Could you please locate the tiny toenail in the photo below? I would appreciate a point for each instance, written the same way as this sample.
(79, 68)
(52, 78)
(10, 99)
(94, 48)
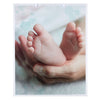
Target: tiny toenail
(38, 27)
(80, 44)
(31, 49)
(79, 35)
(29, 43)
(30, 33)
(30, 38)
(80, 39)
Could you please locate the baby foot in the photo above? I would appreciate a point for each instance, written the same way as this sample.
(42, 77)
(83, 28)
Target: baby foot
(43, 48)
(72, 41)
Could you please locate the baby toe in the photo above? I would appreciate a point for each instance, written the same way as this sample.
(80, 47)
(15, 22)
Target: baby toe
(31, 49)
(78, 31)
(80, 44)
(70, 27)
(80, 39)
(30, 33)
(39, 29)
(29, 38)
(29, 43)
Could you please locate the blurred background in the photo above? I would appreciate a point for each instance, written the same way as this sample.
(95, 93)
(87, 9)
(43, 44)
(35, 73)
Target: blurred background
(54, 19)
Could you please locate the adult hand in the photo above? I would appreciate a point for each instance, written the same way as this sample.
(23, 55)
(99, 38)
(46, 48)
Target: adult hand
(70, 71)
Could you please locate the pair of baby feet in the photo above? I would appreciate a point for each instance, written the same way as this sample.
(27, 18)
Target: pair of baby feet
(46, 51)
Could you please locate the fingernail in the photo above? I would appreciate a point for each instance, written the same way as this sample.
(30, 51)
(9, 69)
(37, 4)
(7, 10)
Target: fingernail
(29, 43)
